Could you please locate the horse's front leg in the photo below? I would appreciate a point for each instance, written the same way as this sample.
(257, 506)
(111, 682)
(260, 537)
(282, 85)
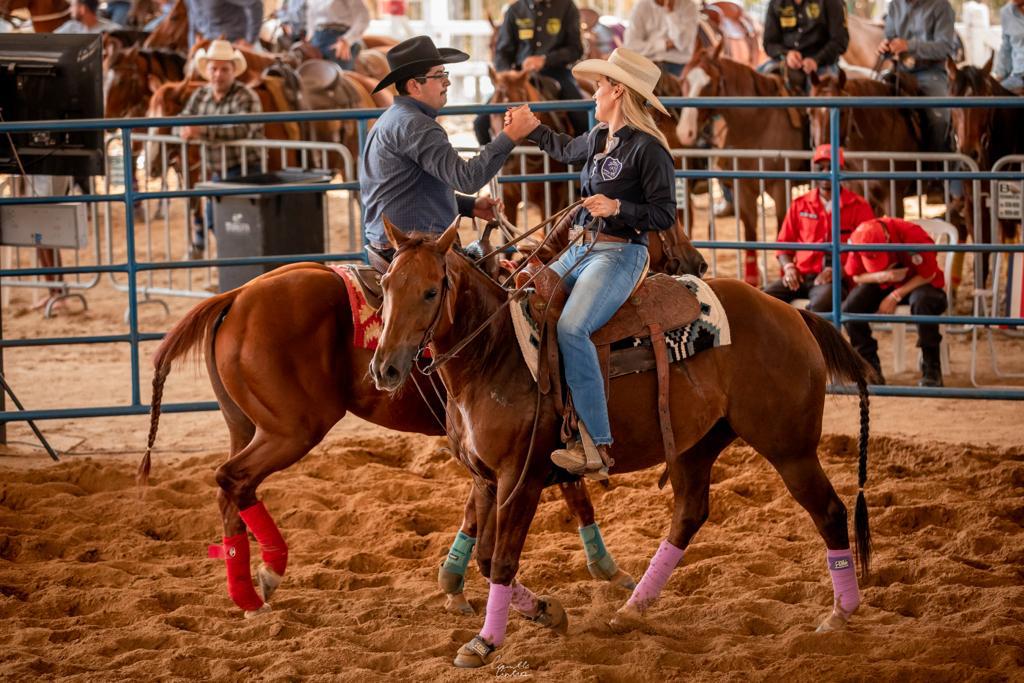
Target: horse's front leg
(600, 562)
(512, 522)
(451, 576)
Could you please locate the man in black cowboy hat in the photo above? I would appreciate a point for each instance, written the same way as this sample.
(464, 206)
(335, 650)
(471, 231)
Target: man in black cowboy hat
(409, 170)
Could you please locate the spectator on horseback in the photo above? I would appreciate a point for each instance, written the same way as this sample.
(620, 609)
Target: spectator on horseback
(885, 279)
(664, 31)
(919, 35)
(335, 27)
(804, 36)
(85, 19)
(228, 19)
(409, 170)
(221, 64)
(542, 37)
(808, 274)
(628, 185)
(599, 40)
(1009, 68)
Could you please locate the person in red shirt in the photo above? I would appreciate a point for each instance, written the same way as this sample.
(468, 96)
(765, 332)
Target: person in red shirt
(885, 279)
(808, 274)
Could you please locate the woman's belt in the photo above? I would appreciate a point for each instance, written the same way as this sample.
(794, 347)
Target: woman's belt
(592, 236)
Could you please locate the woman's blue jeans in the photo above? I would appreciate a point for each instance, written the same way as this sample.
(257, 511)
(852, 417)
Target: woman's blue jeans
(598, 285)
(324, 40)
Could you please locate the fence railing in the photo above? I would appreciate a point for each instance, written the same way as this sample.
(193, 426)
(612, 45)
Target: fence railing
(132, 266)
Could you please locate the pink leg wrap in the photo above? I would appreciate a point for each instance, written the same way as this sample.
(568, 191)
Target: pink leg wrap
(273, 549)
(240, 588)
(658, 571)
(844, 580)
(498, 600)
(523, 600)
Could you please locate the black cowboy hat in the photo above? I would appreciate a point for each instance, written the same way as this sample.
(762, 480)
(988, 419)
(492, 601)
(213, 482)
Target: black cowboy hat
(414, 57)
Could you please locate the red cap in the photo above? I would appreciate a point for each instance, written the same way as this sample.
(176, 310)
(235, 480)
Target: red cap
(824, 153)
(872, 232)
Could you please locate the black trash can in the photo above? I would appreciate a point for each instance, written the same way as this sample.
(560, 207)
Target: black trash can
(266, 224)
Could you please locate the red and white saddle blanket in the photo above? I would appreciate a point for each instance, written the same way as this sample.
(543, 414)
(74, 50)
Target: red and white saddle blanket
(366, 320)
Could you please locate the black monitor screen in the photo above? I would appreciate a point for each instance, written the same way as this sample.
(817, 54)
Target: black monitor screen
(42, 77)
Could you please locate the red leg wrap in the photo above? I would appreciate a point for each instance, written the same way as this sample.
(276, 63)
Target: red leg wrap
(273, 549)
(240, 588)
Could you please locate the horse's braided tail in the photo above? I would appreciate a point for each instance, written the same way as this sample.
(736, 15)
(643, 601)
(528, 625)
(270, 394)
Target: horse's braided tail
(183, 338)
(845, 364)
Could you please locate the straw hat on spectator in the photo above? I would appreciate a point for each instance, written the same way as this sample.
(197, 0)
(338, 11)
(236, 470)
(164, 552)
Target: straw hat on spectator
(220, 50)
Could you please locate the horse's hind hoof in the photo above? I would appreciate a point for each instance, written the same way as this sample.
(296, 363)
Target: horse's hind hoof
(474, 654)
(623, 580)
(253, 613)
(269, 580)
(627, 618)
(550, 614)
(458, 604)
(836, 621)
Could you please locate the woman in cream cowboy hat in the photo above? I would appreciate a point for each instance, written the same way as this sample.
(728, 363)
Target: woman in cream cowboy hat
(628, 186)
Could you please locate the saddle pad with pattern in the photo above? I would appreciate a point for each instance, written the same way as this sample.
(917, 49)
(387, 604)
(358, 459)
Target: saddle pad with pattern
(366, 321)
(711, 329)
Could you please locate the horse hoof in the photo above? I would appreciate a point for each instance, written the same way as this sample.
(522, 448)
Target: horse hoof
(269, 580)
(623, 580)
(474, 654)
(550, 614)
(450, 582)
(626, 619)
(253, 613)
(835, 622)
(458, 604)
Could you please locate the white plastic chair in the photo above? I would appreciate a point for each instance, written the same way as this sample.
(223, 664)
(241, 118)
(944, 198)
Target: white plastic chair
(941, 232)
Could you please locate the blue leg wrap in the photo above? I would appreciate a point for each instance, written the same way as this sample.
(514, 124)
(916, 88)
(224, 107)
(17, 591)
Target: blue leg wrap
(599, 561)
(453, 571)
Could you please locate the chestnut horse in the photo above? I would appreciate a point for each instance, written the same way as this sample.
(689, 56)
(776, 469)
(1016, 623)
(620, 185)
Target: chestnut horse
(434, 296)
(280, 355)
(709, 75)
(46, 15)
(132, 75)
(872, 130)
(984, 135)
(172, 31)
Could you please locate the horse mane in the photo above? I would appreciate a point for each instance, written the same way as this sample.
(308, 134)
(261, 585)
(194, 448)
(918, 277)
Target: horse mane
(980, 82)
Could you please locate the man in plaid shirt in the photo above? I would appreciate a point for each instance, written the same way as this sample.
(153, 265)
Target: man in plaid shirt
(221, 64)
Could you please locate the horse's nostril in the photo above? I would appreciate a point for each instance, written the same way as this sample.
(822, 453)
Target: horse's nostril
(703, 268)
(391, 373)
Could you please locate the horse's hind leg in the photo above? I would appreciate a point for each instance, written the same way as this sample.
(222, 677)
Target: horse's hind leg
(600, 562)
(801, 472)
(451, 576)
(690, 474)
(238, 479)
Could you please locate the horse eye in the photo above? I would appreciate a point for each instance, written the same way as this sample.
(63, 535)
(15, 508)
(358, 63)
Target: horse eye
(431, 293)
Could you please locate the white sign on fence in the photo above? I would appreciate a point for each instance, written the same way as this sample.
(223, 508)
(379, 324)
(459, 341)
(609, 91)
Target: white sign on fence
(1008, 199)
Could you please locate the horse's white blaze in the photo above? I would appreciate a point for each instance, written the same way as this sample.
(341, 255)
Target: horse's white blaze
(686, 130)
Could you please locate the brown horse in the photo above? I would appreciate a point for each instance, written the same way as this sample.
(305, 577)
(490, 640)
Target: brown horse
(434, 296)
(132, 75)
(984, 135)
(172, 32)
(872, 130)
(284, 367)
(46, 15)
(709, 75)
(520, 86)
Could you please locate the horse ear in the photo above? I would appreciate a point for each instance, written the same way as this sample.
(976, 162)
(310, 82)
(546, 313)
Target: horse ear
(951, 70)
(447, 239)
(154, 82)
(718, 50)
(492, 73)
(395, 236)
(987, 69)
(815, 78)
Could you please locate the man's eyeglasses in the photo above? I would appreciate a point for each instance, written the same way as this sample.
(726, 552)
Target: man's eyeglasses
(439, 76)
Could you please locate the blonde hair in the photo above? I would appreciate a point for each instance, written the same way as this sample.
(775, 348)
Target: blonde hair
(636, 115)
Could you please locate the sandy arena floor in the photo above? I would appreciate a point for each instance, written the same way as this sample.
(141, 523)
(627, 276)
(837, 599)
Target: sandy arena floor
(99, 581)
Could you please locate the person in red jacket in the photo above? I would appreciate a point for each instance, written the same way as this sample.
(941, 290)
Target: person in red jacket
(808, 274)
(885, 279)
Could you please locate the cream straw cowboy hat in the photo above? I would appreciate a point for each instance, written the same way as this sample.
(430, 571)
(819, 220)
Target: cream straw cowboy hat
(220, 50)
(629, 68)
